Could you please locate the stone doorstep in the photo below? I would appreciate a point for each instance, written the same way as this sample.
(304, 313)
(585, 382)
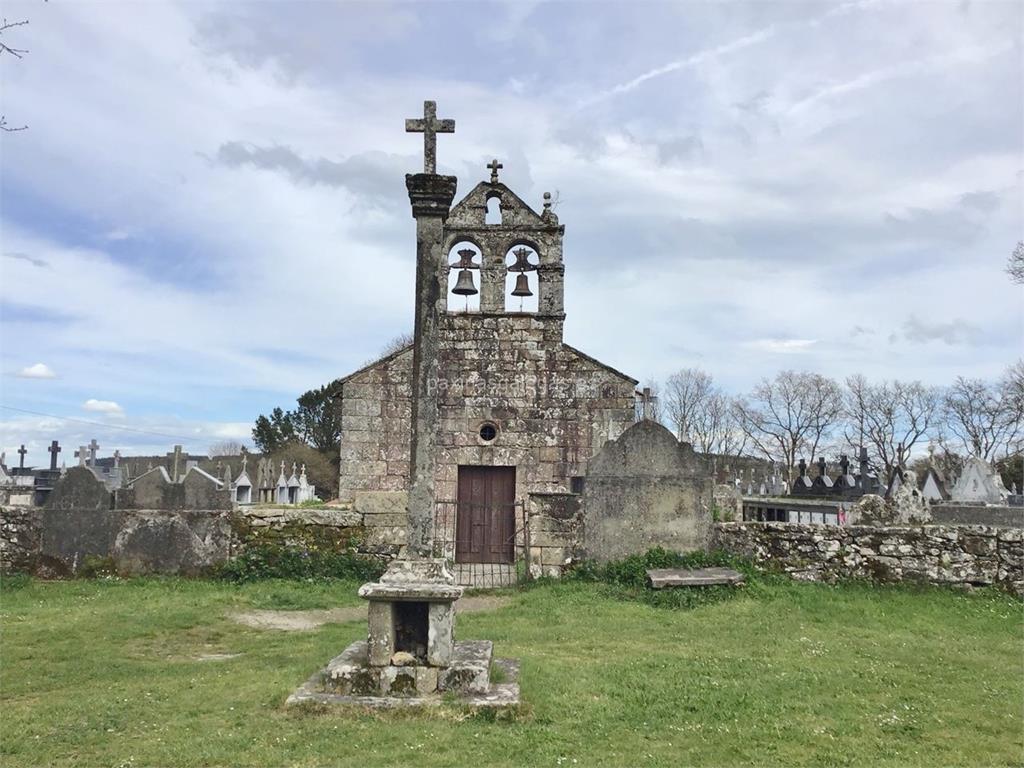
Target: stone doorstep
(493, 696)
(660, 578)
(350, 673)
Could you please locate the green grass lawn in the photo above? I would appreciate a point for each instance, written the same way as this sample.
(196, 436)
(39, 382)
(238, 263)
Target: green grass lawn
(108, 673)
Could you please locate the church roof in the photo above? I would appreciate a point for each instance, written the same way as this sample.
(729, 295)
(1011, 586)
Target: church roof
(336, 392)
(599, 364)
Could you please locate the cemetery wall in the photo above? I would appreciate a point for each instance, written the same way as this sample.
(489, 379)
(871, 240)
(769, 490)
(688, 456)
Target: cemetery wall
(937, 554)
(54, 542)
(949, 513)
(19, 538)
(555, 523)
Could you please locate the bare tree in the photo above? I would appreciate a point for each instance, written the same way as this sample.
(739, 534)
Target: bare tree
(686, 392)
(16, 53)
(715, 428)
(985, 417)
(1015, 264)
(889, 418)
(226, 448)
(790, 415)
(401, 341)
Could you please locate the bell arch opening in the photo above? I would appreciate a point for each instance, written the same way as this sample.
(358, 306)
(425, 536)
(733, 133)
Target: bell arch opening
(493, 215)
(464, 275)
(522, 285)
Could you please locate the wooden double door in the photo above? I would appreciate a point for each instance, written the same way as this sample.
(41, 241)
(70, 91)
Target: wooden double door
(485, 521)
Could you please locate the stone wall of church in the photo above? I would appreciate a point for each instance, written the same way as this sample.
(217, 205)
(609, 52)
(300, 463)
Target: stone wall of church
(376, 419)
(552, 406)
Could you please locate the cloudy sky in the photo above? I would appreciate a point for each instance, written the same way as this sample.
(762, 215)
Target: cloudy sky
(207, 213)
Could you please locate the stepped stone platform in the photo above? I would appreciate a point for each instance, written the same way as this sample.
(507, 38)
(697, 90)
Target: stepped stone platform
(659, 578)
(350, 680)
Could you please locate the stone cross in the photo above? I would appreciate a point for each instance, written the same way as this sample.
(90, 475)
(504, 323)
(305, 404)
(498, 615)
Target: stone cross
(431, 197)
(117, 459)
(429, 126)
(647, 400)
(245, 459)
(495, 166)
(81, 455)
(54, 449)
(21, 456)
(93, 447)
(176, 459)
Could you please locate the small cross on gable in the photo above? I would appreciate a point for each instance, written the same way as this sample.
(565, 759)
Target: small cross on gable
(495, 166)
(429, 126)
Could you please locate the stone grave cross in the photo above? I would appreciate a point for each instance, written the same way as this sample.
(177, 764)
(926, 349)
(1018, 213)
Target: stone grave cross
(93, 447)
(495, 166)
(648, 400)
(54, 449)
(175, 462)
(21, 456)
(81, 455)
(117, 459)
(429, 126)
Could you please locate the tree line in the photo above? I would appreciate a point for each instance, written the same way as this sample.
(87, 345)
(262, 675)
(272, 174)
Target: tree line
(799, 414)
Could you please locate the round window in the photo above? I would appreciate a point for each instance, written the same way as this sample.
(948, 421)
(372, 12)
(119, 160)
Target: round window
(488, 431)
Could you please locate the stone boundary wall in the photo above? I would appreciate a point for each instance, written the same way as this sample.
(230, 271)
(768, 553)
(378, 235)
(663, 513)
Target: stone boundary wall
(54, 543)
(555, 524)
(958, 555)
(19, 538)
(949, 513)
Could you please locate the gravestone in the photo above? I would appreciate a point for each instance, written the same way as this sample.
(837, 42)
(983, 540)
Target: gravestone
(645, 489)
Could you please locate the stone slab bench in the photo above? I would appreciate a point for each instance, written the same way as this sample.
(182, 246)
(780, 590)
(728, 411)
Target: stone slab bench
(659, 578)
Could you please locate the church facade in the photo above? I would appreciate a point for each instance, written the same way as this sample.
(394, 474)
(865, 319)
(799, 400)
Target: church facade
(520, 411)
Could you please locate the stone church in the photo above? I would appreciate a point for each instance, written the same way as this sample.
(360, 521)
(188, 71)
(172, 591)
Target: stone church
(520, 410)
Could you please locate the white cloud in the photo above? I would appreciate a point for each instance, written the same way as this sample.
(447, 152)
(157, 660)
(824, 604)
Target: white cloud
(782, 346)
(37, 371)
(108, 407)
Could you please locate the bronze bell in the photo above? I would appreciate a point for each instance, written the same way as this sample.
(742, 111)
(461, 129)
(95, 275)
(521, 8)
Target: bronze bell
(464, 285)
(522, 286)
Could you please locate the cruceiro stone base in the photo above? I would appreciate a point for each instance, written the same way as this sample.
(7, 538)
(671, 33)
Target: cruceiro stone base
(350, 680)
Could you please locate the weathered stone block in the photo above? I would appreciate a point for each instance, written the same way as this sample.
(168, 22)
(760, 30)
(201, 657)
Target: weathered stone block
(440, 634)
(381, 637)
(398, 681)
(470, 670)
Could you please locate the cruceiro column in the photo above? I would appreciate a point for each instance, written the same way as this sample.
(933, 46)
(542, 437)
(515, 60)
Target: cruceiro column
(431, 197)
(410, 651)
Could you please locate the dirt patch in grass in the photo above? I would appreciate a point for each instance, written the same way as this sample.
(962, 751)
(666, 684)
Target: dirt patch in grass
(304, 621)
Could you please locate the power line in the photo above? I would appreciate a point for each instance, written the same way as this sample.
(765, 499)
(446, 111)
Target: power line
(100, 424)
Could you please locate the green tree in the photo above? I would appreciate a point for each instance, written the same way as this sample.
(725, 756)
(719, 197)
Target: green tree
(270, 434)
(316, 422)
